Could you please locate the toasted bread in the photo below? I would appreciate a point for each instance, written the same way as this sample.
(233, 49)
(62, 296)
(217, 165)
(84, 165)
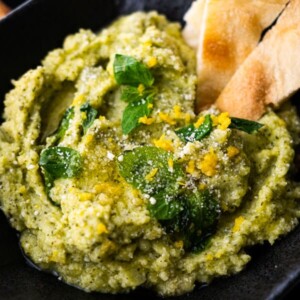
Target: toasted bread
(194, 19)
(229, 32)
(271, 74)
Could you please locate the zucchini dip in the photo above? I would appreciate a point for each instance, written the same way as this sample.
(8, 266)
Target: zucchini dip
(113, 182)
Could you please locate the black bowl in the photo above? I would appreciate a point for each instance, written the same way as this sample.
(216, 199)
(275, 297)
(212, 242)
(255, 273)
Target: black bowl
(26, 36)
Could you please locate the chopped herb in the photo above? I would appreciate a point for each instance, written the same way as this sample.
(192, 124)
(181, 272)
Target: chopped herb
(59, 162)
(64, 124)
(91, 115)
(129, 71)
(191, 133)
(134, 111)
(245, 125)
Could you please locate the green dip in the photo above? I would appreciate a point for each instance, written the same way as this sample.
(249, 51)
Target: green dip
(99, 227)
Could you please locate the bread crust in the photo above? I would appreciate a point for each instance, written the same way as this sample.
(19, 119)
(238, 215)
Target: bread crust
(271, 74)
(193, 18)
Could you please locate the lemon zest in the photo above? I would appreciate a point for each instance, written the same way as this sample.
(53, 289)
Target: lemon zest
(145, 120)
(164, 143)
(101, 228)
(166, 118)
(209, 163)
(152, 62)
(237, 223)
(199, 122)
(151, 175)
(232, 151)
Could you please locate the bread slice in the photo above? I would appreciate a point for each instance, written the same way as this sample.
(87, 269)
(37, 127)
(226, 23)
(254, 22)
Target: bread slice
(194, 20)
(271, 74)
(229, 31)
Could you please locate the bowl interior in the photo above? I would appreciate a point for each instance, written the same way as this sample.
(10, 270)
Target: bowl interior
(25, 38)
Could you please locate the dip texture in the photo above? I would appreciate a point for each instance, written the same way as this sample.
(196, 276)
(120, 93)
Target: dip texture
(96, 227)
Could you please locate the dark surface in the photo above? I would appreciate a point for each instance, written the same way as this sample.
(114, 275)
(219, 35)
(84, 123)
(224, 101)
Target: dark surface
(25, 37)
(13, 3)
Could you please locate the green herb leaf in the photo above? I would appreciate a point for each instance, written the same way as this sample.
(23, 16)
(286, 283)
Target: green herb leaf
(204, 209)
(187, 214)
(163, 186)
(91, 115)
(48, 181)
(132, 94)
(60, 162)
(165, 207)
(64, 124)
(139, 162)
(197, 219)
(245, 125)
(191, 133)
(133, 112)
(129, 71)
(204, 213)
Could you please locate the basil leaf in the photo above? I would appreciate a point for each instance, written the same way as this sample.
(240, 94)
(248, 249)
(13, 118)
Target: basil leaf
(139, 162)
(191, 216)
(91, 115)
(132, 94)
(129, 71)
(245, 125)
(197, 220)
(134, 111)
(191, 133)
(165, 208)
(60, 162)
(64, 124)
(204, 209)
(163, 186)
(48, 181)
(204, 213)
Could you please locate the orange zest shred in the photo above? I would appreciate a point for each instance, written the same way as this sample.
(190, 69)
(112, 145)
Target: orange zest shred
(170, 163)
(222, 120)
(232, 151)
(209, 163)
(145, 120)
(199, 122)
(151, 175)
(237, 223)
(152, 61)
(101, 228)
(141, 88)
(166, 118)
(190, 168)
(164, 143)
